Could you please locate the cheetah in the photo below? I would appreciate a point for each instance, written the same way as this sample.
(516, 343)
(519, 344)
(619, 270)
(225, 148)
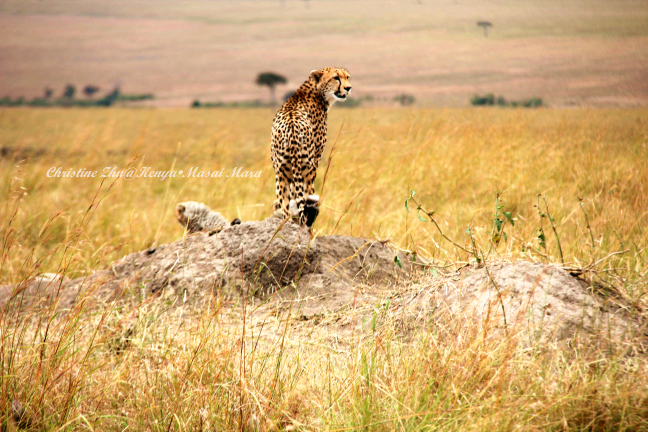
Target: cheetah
(195, 217)
(298, 140)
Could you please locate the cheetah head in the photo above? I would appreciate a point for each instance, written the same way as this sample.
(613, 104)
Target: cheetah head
(180, 214)
(333, 83)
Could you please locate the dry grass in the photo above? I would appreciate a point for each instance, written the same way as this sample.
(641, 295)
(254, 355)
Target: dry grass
(193, 369)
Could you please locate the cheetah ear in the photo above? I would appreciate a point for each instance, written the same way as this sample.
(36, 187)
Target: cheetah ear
(180, 209)
(316, 75)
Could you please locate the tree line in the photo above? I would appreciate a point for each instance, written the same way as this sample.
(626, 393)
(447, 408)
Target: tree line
(489, 100)
(68, 98)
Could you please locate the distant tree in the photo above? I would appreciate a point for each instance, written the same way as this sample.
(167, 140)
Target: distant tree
(69, 91)
(90, 90)
(195, 104)
(501, 101)
(485, 25)
(271, 80)
(48, 92)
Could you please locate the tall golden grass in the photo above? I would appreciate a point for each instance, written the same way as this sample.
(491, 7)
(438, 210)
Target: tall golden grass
(456, 161)
(195, 371)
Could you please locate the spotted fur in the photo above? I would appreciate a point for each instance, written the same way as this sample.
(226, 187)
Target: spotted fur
(299, 136)
(196, 217)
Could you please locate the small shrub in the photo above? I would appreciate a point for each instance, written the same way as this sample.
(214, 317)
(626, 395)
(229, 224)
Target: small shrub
(488, 99)
(534, 102)
(405, 99)
(109, 99)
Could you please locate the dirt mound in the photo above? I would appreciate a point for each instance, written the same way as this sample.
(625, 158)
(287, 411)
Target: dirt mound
(543, 301)
(336, 284)
(261, 257)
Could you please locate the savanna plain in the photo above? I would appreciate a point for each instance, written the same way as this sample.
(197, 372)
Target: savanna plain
(568, 186)
(577, 53)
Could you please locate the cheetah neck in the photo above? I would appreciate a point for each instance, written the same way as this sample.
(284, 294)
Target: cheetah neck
(310, 92)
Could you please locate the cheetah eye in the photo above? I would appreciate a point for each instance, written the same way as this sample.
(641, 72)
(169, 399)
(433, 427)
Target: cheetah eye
(337, 79)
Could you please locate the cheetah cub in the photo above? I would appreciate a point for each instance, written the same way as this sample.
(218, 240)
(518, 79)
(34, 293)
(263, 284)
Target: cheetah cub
(298, 140)
(197, 217)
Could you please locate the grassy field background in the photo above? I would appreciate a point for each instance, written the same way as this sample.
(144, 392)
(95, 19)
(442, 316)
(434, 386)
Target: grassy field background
(189, 370)
(455, 160)
(582, 52)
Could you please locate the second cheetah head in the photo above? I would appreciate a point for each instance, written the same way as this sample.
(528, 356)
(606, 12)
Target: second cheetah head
(333, 83)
